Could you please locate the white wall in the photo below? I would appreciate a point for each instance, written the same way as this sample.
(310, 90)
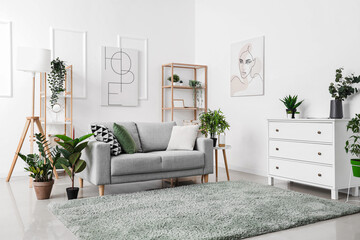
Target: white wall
(305, 41)
(168, 24)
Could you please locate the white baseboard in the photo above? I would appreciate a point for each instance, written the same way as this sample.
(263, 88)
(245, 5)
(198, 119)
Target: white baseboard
(235, 167)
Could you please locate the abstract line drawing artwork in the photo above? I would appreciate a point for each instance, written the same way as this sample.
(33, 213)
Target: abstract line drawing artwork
(247, 68)
(119, 77)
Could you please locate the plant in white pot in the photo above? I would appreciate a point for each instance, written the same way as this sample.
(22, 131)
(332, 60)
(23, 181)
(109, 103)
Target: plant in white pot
(71, 161)
(340, 90)
(41, 168)
(291, 105)
(353, 144)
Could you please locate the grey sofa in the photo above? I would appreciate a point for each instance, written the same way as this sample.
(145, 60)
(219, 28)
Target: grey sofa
(151, 162)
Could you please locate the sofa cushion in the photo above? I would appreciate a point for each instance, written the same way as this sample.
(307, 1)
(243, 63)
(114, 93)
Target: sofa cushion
(183, 137)
(130, 127)
(181, 160)
(126, 164)
(154, 136)
(125, 139)
(103, 134)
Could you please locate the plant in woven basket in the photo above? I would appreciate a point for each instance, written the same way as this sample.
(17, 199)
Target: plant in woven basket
(56, 79)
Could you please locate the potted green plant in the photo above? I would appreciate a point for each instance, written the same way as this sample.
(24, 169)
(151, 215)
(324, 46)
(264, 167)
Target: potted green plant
(340, 90)
(353, 144)
(176, 79)
(40, 167)
(70, 160)
(197, 92)
(212, 123)
(291, 104)
(56, 79)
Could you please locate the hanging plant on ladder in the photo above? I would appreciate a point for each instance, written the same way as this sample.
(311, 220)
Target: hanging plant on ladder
(56, 79)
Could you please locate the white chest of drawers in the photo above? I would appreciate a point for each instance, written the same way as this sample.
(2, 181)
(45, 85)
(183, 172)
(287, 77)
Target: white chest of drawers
(310, 151)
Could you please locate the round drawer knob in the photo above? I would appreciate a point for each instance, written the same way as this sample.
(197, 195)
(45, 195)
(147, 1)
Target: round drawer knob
(319, 132)
(277, 130)
(277, 167)
(277, 149)
(319, 174)
(319, 153)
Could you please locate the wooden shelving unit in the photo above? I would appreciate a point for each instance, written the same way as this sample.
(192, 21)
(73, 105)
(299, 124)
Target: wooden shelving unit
(171, 87)
(66, 97)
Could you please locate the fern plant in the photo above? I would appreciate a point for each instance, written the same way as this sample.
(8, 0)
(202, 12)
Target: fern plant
(213, 122)
(291, 103)
(56, 79)
(40, 167)
(353, 144)
(71, 153)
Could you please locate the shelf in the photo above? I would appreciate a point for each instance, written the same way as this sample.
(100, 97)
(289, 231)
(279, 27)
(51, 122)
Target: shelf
(184, 108)
(181, 87)
(183, 65)
(56, 123)
(60, 96)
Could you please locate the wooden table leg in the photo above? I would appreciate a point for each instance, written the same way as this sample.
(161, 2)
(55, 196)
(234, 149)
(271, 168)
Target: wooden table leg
(226, 166)
(216, 164)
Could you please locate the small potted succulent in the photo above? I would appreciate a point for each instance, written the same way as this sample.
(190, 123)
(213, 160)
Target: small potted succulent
(212, 123)
(176, 79)
(353, 144)
(41, 168)
(340, 90)
(291, 105)
(70, 160)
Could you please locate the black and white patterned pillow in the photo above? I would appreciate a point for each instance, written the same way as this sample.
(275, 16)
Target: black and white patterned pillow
(103, 134)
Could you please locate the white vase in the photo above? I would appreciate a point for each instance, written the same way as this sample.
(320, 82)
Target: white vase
(222, 140)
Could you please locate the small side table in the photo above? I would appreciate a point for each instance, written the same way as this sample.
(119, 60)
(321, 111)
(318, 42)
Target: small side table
(225, 161)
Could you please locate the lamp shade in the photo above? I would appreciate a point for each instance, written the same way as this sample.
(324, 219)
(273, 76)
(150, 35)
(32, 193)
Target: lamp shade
(33, 59)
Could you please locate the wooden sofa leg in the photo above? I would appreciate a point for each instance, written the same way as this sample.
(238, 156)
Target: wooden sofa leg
(206, 178)
(101, 190)
(81, 182)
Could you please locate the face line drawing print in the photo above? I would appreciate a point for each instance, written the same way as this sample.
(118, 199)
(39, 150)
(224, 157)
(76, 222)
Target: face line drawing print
(247, 77)
(121, 71)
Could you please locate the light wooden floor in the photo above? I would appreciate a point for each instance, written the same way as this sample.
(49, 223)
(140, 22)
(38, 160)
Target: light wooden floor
(23, 217)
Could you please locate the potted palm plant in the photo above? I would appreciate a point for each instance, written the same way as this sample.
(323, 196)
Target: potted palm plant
(353, 144)
(291, 104)
(340, 90)
(212, 123)
(40, 167)
(70, 160)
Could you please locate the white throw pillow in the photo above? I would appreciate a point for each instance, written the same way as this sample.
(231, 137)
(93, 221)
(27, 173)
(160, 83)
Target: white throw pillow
(183, 137)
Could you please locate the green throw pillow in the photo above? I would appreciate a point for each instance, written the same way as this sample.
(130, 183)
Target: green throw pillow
(125, 139)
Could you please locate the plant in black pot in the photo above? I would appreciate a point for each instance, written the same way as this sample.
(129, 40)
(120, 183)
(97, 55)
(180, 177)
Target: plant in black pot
(291, 104)
(71, 161)
(353, 144)
(41, 168)
(212, 123)
(340, 90)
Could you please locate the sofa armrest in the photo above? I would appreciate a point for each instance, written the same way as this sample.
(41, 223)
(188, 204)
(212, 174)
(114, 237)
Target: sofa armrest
(205, 145)
(98, 164)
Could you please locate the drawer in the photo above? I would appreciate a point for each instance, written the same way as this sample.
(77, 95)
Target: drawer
(306, 172)
(319, 132)
(318, 153)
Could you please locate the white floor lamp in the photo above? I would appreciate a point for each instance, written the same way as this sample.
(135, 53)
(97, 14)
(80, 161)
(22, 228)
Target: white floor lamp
(33, 60)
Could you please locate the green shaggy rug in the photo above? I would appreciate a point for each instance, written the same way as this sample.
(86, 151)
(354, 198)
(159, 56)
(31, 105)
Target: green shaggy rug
(225, 210)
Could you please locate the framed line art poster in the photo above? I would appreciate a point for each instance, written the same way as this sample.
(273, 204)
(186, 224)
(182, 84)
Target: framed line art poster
(247, 68)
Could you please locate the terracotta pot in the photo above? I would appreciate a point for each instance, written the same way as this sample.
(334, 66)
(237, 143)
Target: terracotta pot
(43, 189)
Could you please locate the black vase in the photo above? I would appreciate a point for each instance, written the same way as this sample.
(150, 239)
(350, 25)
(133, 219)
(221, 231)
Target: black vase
(72, 193)
(214, 141)
(336, 109)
